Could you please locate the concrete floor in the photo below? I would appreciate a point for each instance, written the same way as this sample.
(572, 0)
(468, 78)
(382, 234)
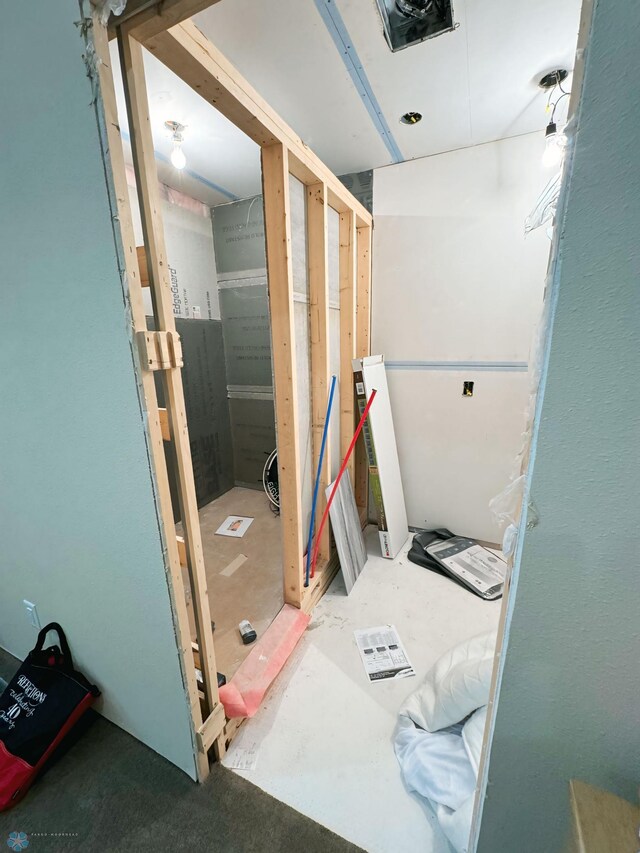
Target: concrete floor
(253, 591)
(323, 735)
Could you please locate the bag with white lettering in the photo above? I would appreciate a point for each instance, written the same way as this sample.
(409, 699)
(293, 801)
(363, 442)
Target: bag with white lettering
(40, 705)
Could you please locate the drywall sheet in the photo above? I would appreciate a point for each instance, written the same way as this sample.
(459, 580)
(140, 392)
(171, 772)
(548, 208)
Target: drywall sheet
(457, 282)
(80, 533)
(383, 455)
(347, 531)
(456, 453)
(205, 395)
(238, 229)
(568, 704)
(247, 338)
(254, 437)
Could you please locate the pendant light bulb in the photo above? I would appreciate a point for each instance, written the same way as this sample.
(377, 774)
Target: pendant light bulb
(178, 160)
(554, 146)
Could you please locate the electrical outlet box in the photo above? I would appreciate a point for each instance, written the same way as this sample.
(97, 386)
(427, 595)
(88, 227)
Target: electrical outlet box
(32, 613)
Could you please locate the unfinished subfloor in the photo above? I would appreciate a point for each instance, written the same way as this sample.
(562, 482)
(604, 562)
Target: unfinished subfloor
(241, 588)
(323, 734)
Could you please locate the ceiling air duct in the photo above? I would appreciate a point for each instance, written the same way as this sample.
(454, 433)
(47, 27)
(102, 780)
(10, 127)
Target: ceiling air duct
(408, 22)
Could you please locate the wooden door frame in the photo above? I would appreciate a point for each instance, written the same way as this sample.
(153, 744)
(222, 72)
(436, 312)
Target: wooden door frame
(164, 30)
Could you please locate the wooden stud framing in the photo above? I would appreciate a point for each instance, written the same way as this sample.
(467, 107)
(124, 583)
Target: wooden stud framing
(146, 378)
(277, 218)
(148, 195)
(317, 251)
(150, 17)
(348, 294)
(192, 57)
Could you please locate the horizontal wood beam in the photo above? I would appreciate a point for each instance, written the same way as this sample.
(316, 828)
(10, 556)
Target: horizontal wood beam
(147, 18)
(190, 55)
(211, 729)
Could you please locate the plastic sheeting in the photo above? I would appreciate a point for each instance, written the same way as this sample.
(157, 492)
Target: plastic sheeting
(506, 506)
(110, 7)
(545, 207)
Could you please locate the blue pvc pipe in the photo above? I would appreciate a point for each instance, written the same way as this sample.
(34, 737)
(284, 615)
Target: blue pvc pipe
(323, 445)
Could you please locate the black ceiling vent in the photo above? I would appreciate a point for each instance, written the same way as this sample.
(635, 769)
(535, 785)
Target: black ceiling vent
(408, 22)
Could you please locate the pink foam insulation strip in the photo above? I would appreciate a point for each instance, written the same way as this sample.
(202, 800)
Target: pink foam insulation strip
(242, 696)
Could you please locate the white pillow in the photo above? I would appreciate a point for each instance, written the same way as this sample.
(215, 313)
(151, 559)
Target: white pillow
(456, 685)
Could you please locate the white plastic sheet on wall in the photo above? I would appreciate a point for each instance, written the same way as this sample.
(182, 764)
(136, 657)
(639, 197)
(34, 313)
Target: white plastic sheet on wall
(300, 267)
(190, 256)
(333, 238)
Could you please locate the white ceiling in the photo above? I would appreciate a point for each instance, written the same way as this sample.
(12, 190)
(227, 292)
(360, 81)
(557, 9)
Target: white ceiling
(473, 85)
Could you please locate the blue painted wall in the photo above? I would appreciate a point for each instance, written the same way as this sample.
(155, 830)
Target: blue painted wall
(569, 700)
(78, 527)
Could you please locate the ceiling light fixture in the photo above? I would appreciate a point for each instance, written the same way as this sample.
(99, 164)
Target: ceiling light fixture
(554, 141)
(178, 160)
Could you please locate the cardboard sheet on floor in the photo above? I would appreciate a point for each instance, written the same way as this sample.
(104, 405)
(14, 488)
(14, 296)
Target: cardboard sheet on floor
(242, 696)
(347, 531)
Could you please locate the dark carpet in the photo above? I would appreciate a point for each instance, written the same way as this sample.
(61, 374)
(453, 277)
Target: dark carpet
(108, 792)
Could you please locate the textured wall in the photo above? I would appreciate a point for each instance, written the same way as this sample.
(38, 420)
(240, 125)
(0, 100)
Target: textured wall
(569, 700)
(78, 523)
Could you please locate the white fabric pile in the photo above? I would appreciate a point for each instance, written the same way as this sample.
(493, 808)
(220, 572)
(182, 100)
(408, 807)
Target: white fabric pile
(439, 734)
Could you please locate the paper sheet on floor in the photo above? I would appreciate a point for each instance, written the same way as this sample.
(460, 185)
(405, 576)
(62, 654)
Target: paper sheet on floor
(242, 757)
(234, 525)
(383, 655)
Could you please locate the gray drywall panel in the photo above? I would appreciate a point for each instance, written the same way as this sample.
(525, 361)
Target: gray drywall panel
(568, 705)
(254, 437)
(207, 408)
(205, 391)
(360, 185)
(247, 340)
(238, 233)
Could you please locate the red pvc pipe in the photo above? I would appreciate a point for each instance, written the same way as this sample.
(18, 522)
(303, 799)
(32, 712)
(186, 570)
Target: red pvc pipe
(345, 462)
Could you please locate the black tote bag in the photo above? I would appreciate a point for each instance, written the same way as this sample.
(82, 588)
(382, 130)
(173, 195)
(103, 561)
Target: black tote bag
(40, 705)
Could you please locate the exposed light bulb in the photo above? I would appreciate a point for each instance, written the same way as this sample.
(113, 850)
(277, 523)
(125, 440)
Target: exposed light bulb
(178, 160)
(554, 146)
